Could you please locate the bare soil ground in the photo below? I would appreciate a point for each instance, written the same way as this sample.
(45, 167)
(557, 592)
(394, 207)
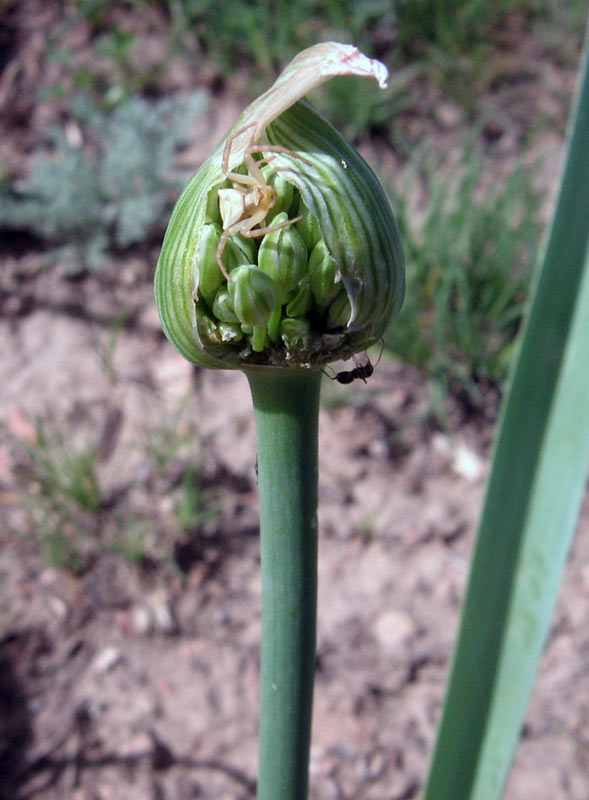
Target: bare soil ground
(138, 680)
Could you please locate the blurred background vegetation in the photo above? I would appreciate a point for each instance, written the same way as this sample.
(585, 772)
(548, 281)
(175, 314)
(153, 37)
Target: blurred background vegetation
(100, 113)
(101, 178)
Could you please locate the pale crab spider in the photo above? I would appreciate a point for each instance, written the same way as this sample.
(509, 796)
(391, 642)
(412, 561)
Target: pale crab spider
(248, 201)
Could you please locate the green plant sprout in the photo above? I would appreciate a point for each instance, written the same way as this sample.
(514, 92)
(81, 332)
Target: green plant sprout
(63, 493)
(282, 255)
(468, 270)
(533, 498)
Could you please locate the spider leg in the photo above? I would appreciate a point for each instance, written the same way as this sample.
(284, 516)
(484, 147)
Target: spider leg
(252, 234)
(276, 148)
(250, 181)
(220, 248)
(229, 145)
(254, 177)
(266, 160)
(237, 177)
(242, 226)
(381, 352)
(254, 171)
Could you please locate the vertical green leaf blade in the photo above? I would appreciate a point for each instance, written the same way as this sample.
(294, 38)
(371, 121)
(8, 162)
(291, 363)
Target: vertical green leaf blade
(532, 503)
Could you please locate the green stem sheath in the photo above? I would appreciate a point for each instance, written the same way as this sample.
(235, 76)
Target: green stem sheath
(286, 406)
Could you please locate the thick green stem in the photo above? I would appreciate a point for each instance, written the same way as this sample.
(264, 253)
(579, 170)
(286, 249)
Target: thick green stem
(286, 405)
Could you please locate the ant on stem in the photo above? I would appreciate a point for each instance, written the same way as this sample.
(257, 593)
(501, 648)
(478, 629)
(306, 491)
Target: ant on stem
(360, 371)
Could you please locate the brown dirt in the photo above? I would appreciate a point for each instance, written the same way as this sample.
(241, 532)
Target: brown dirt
(136, 681)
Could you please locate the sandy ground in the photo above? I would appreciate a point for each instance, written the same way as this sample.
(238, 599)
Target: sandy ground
(135, 677)
(134, 681)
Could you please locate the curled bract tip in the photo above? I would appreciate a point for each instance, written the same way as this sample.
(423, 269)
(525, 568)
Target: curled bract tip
(307, 71)
(282, 250)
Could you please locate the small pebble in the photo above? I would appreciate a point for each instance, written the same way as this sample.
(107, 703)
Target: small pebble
(106, 659)
(392, 628)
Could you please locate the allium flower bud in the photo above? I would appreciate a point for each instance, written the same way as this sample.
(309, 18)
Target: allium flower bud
(254, 295)
(324, 275)
(223, 308)
(283, 256)
(301, 300)
(282, 250)
(308, 226)
(283, 190)
(295, 333)
(339, 310)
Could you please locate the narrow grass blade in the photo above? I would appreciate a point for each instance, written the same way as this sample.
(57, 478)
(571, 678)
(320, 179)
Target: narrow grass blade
(534, 493)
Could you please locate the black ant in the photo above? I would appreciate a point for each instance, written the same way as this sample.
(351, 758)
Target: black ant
(360, 371)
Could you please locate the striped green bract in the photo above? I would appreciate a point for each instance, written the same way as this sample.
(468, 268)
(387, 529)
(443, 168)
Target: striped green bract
(339, 197)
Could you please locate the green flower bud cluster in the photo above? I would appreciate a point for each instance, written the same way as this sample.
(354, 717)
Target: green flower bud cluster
(284, 300)
(322, 279)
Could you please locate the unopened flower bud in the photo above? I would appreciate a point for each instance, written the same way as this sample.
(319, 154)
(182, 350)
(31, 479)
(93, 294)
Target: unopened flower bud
(339, 311)
(282, 250)
(300, 300)
(223, 308)
(212, 213)
(254, 295)
(283, 256)
(230, 332)
(283, 193)
(247, 249)
(324, 277)
(295, 333)
(308, 226)
(209, 276)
